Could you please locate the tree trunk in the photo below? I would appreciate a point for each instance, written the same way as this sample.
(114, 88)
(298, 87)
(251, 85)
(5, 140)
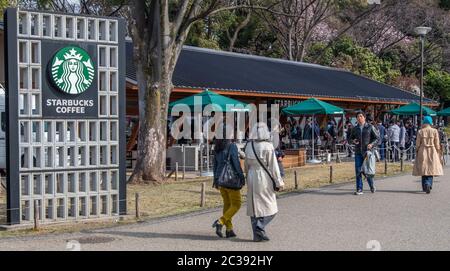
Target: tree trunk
(290, 57)
(153, 111)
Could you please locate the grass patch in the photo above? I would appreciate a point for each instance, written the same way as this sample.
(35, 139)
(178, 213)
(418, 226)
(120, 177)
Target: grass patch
(174, 198)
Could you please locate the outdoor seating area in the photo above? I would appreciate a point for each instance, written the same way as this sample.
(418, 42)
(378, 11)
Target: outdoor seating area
(328, 124)
(330, 130)
(328, 118)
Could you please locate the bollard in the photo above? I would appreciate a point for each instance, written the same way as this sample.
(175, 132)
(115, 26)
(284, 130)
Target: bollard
(138, 215)
(385, 166)
(331, 174)
(401, 164)
(36, 215)
(203, 196)
(176, 171)
(295, 180)
(184, 161)
(388, 154)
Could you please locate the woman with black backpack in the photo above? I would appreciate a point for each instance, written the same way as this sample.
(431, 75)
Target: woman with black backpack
(229, 179)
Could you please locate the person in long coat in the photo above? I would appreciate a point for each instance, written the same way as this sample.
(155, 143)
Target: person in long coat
(261, 198)
(428, 161)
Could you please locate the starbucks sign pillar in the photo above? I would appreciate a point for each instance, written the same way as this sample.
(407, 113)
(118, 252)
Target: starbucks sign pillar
(66, 116)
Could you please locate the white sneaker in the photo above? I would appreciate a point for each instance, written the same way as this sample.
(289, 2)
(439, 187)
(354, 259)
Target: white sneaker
(359, 192)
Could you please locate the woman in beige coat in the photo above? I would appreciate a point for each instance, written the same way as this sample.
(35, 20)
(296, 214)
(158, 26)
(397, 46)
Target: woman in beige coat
(261, 198)
(428, 160)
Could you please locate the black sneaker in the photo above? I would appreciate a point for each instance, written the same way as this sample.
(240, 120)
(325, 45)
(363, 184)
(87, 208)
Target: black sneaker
(373, 189)
(359, 192)
(230, 234)
(261, 237)
(218, 227)
(428, 189)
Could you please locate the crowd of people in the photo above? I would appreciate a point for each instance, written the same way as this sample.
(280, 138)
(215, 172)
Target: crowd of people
(397, 137)
(263, 173)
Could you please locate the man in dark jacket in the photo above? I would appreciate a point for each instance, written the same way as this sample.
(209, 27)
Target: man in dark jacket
(307, 133)
(365, 137)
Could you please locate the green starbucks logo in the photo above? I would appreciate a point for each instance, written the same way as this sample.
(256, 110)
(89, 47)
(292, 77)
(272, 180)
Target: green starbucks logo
(72, 70)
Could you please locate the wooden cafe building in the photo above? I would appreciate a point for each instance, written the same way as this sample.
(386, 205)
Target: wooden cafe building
(255, 79)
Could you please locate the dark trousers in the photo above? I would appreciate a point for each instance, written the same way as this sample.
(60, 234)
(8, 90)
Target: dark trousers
(427, 180)
(394, 152)
(382, 149)
(259, 224)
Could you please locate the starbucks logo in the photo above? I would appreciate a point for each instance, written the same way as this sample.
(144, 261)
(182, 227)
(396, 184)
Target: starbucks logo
(72, 70)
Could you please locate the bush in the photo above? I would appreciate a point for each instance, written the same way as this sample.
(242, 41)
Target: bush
(437, 84)
(345, 54)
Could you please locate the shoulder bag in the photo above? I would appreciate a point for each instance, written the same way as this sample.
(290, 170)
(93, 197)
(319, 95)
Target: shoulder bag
(265, 168)
(228, 177)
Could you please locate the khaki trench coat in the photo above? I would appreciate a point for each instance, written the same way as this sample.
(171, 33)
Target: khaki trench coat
(261, 197)
(428, 160)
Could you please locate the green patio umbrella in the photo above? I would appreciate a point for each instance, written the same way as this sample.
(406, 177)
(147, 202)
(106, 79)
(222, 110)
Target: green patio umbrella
(201, 100)
(445, 112)
(413, 109)
(312, 107)
(197, 104)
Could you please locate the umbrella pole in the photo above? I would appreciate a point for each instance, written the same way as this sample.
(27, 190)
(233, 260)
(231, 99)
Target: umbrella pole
(313, 160)
(312, 137)
(343, 131)
(208, 173)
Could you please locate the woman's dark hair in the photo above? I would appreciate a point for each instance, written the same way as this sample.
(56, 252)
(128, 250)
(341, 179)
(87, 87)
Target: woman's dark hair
(221, 144)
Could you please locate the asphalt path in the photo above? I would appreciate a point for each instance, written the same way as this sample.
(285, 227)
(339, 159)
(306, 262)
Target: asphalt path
(399, 216)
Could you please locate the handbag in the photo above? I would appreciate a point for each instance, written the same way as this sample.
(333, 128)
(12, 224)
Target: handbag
(228, 177)
(265, 169)
(368, 168)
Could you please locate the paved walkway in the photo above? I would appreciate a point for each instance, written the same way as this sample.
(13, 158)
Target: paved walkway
(397, 217)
